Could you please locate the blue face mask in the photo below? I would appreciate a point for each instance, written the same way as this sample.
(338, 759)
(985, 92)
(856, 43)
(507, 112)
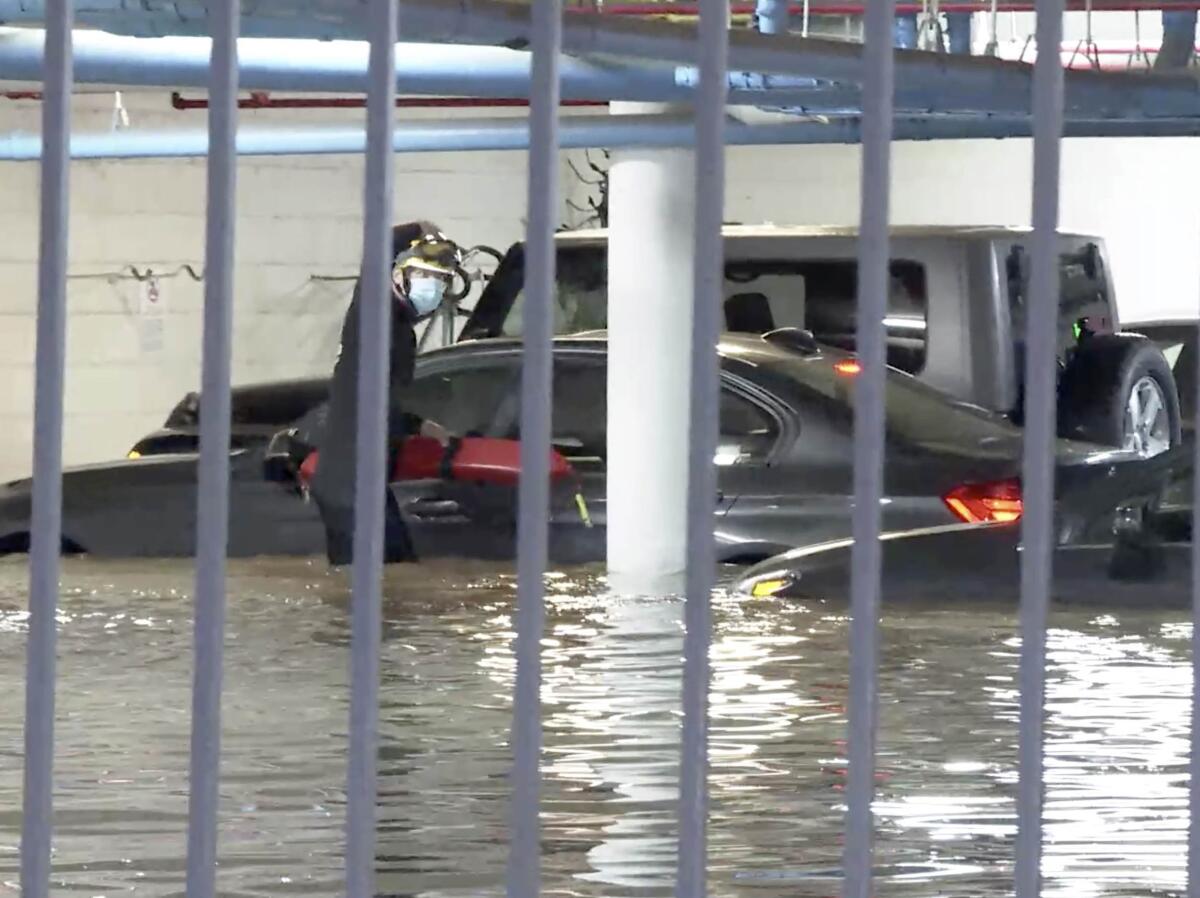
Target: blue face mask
(425, 294)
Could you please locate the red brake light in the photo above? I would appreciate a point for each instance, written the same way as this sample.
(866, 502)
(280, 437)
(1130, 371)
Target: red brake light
(847, 366)
(992, 503)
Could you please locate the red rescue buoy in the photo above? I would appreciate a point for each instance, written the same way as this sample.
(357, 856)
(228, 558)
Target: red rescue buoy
(479, 459)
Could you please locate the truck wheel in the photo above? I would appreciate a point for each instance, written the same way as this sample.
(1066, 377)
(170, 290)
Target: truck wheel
(1117, 390)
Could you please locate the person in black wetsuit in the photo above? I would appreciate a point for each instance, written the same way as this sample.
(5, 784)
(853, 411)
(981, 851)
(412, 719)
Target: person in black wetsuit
(424, 264)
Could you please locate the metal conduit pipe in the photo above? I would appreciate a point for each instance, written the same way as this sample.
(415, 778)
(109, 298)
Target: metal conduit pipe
(338, 66)
(935, 85)
(342, 21)
(578, 132)
(931, 80)
(341, 67)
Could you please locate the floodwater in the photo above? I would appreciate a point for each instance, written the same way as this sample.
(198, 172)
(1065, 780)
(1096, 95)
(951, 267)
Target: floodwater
(1117, 739)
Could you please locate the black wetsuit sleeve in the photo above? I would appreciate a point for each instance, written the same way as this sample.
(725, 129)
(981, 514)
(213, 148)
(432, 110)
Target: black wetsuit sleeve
(401, 421)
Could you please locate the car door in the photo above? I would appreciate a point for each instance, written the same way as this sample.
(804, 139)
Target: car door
(468, 394)
(579, 427)
(449, 518)
(580, 433)
(754, 479)
(456, 518)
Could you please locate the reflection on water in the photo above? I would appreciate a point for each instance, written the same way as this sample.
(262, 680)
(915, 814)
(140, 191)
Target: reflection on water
(1117, 739)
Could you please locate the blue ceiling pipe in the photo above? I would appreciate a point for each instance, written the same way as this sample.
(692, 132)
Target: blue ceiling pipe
(335, 66)
(576, 132)
(488, 71)
(1179, 39)
(150, 18)
(341, 66)
(931, 81)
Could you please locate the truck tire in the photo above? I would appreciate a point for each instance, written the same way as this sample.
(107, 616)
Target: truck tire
(1117, 390)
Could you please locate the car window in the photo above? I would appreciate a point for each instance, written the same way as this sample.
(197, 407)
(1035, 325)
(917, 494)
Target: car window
(759, 294)
(580, 418)
(580, 410)
(463, 399)
(748, 431)
(915, 415)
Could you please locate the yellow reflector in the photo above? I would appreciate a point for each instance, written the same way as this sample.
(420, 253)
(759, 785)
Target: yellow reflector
(764, 588)
(133, 453)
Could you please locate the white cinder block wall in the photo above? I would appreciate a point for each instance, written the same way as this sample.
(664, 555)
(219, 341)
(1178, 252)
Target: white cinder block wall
(299, 224)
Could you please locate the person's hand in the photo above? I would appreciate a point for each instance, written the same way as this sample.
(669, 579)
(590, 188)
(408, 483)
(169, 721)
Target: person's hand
(435, 431)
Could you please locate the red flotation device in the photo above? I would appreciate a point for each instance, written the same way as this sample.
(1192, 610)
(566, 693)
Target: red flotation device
(479, 459)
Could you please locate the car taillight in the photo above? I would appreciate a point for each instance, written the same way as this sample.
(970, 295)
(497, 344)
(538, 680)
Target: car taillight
(993, 503)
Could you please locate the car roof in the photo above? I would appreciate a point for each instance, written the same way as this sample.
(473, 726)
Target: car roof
(787, 231)
(743, 347)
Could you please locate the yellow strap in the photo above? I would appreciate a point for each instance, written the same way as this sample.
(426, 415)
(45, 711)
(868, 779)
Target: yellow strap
(583, 510)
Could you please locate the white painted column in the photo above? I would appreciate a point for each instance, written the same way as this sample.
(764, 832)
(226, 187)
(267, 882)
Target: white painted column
(651, 220)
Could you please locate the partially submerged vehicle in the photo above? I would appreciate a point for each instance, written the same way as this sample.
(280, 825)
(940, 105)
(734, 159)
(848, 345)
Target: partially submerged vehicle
(1122, 536)
(955, 313)
(955, 322)
(783, 458)
(956, 316)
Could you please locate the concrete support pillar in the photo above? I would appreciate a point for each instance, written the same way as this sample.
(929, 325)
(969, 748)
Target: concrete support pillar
(651, 225)
(771, 16)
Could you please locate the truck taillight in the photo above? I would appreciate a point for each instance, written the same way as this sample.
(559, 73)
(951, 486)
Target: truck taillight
(991, 503)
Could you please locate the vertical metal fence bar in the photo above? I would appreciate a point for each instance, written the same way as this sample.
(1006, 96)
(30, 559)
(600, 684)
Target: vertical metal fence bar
(38, 801)
(371, 452)
(212, 509)
(1037, 532)
(1193, 864)
(869, 406)
(709, 277)
(524, 860)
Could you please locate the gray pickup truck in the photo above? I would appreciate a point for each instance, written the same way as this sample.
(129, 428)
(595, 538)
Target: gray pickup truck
(955, 316)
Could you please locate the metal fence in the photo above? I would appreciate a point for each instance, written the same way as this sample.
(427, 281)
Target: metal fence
(524, 867)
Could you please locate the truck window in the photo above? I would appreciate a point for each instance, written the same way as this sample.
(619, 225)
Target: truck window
(1082, 296)
(761, 294)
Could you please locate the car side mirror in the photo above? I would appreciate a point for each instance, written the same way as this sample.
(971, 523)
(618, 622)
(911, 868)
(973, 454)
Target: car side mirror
(283, 455)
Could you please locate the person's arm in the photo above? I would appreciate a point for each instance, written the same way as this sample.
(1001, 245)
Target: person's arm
(406, 424)
(403, 423)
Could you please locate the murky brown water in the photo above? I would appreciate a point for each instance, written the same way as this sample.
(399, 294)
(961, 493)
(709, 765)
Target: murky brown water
(1116, 765)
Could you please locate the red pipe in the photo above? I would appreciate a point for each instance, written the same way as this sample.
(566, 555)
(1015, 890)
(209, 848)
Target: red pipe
(262, 100)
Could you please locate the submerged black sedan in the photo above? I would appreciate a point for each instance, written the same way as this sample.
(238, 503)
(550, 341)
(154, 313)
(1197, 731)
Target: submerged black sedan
(785, 479)
(1123, 536)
